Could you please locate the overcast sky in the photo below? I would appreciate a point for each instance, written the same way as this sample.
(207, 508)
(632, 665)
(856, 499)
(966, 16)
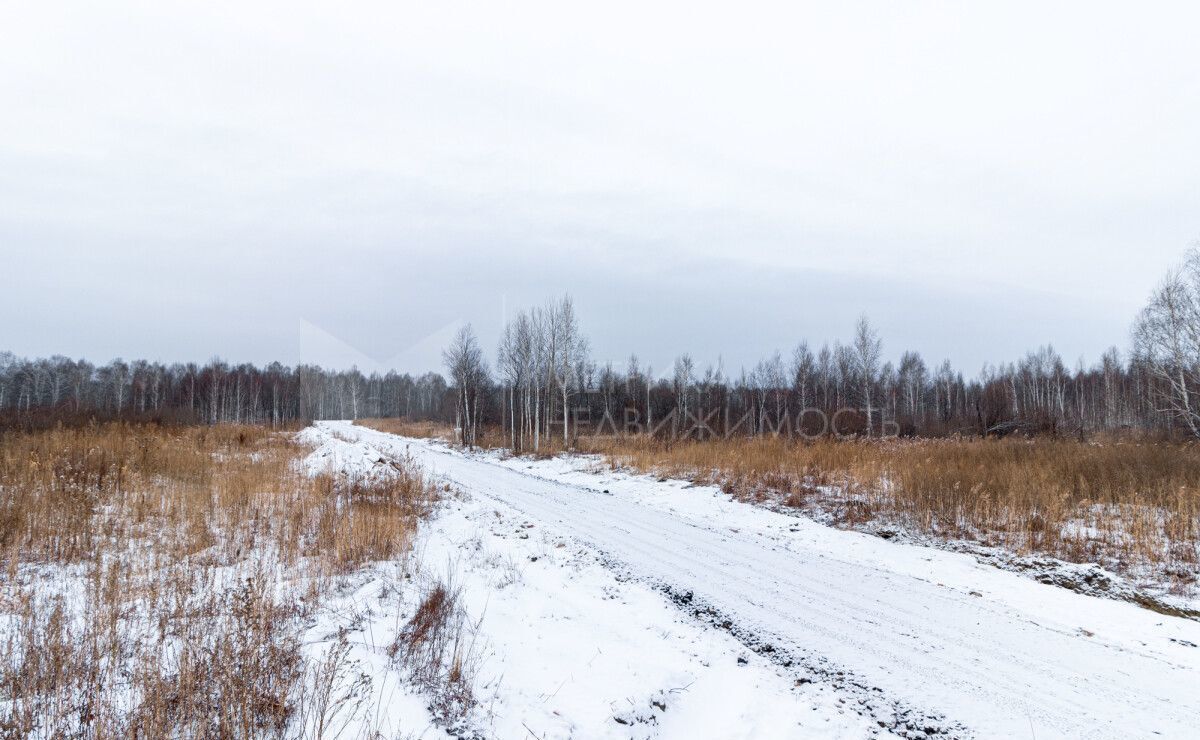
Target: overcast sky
(344, 182)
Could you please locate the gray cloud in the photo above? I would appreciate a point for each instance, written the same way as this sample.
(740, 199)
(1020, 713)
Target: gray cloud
(332, 185)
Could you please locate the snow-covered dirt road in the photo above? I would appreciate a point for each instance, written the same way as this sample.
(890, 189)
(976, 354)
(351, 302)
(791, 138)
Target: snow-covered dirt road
(561, 646)
(893, 626)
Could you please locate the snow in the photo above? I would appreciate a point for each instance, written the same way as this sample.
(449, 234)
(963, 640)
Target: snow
(565, 647)
(594, 627)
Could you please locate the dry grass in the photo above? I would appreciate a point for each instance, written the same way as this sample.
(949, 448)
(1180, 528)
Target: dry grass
(156, 580)
(490, 438)
(372, 519)
(1126, 504)
(436, 650)
(404, 428)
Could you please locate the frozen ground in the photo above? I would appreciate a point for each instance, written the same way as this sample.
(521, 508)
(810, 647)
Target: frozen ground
(647, 593)
(565, 648)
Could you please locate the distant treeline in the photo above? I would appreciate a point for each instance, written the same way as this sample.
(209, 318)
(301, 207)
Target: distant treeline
(1036, 394)
(37, 392)
(544, 384)
(543, 368)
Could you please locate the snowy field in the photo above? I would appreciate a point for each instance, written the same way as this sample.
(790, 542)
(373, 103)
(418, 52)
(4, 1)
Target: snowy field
(606, 605)
(565, 646)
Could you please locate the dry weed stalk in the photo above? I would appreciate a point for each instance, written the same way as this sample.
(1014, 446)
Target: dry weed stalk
(435, 647)
(157, 580)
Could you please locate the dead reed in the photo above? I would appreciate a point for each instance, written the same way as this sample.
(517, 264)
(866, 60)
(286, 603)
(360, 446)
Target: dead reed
(1128, 504)
(405, 428)
(157, 580)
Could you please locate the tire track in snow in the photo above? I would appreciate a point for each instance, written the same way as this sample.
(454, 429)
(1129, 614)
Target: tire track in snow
(977, 662)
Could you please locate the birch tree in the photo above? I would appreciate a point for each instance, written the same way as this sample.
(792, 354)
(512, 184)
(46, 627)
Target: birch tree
(464, 360)
(867, 349)
(1167, 340)
(570, 351)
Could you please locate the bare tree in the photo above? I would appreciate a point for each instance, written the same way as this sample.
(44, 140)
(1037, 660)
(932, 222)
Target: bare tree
(804, 370)
(682, 383)
(867, 350)
(912, 379)
(1167, 341)
(464, 360)
(569, 356)
(508, 365)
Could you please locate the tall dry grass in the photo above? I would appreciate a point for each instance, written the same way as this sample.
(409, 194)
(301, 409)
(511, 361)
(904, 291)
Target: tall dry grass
(1127, 504)
(418, 429)
(490, 437)
(157, 581)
